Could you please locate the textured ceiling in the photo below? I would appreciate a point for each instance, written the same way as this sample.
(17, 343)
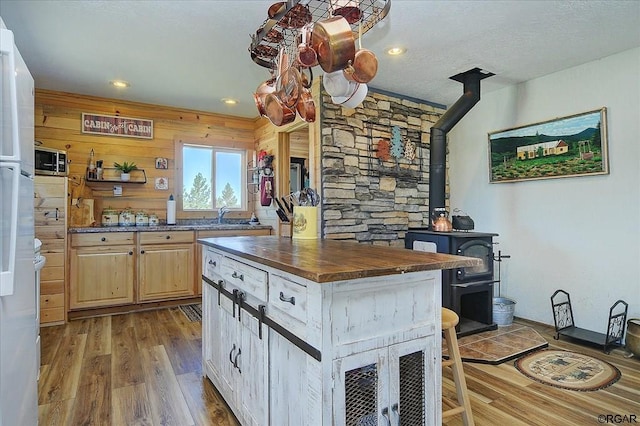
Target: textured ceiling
(191, 54)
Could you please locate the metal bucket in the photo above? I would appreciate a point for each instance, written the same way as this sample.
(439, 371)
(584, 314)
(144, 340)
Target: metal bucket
(633, 336)
(503, 310)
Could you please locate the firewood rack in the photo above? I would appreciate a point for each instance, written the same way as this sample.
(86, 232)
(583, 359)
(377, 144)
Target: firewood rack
(565, 325)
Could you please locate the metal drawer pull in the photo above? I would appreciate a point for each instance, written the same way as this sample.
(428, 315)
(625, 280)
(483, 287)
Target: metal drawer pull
(238, 276)
(168, 237)
(235, 360)
(291, 299)
(103, 239)
(231, 353)
(212, 262)
(396, 410)
(385, 412)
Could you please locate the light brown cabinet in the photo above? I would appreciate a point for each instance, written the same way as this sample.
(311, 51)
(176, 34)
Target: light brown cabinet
(103, 268)
(166, 264)
(50, 212)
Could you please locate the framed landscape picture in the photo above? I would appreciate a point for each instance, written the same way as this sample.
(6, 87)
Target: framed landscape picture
(563, 147)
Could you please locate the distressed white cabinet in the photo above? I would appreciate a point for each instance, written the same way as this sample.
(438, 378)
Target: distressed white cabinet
(331, 333)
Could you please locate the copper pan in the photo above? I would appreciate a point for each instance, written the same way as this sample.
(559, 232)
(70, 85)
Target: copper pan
(277, 112)
(364, 67)
(333, 42)
(261, 93)
(288, 86)
(306, 107)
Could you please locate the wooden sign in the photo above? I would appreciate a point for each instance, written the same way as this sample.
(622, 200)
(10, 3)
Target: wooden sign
(117, 126)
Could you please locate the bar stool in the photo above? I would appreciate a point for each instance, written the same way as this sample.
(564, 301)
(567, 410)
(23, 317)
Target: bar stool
(449, 321)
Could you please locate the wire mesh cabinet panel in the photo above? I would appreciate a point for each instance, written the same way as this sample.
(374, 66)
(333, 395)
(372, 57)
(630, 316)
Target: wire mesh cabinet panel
(385, 386)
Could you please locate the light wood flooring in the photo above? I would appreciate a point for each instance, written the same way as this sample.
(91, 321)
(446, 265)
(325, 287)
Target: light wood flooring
(145, 368)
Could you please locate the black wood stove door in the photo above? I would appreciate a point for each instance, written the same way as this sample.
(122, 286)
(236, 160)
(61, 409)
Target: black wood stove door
(482, 249)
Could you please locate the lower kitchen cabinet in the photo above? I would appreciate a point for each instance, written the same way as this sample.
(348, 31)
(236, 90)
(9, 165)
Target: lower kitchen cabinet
(102, 274)
(388, 381)
(235, 359)
(50, 213)
(166, 263)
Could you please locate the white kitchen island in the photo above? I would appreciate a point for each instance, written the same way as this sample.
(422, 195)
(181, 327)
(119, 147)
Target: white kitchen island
(323, 332)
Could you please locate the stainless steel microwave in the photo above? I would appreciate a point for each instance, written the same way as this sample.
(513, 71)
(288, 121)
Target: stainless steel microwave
(50, 161)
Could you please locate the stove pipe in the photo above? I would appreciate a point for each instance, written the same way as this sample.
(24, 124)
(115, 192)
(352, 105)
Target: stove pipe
(438, 150)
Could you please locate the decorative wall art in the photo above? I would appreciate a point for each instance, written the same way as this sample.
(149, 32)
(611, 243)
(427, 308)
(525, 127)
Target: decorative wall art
(99, 124)
(162, 163)
(162, 183)
(570, 146)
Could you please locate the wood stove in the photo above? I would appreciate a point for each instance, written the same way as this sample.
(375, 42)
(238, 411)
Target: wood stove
(467, 291)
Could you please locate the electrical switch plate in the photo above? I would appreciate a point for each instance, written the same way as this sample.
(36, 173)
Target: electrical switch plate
(117, 190)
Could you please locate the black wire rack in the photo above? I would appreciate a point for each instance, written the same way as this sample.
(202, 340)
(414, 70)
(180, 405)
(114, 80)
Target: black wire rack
(284, 20)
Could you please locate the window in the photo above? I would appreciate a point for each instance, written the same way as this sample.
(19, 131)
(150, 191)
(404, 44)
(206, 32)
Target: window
(213, 177)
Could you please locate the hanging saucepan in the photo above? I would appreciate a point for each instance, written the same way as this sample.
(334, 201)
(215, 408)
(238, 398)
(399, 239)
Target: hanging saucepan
(305, 80)
(307, 57)
(288, 86)
(349, 9)
(261, 93)
(277, 112)
(275, 8)
(364, 67)
(306, 107)
(333, 42)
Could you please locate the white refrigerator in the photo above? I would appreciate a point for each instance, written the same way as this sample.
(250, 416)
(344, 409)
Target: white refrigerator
(18, 329)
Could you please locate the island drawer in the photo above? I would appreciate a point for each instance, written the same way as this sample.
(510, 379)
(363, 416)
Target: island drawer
(102, 239)
(211, 263)
(247, 278)
(288, 296)
(166, 237)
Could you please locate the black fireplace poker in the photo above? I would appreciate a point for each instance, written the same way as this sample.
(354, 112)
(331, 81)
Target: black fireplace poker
(438, 140)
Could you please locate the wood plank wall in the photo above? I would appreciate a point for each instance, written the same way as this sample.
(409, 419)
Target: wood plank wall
(58, 125)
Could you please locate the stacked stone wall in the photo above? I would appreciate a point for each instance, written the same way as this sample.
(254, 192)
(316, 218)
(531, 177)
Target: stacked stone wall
(366, 199)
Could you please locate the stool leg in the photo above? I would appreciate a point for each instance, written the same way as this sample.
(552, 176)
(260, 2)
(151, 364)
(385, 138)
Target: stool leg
(458, 375)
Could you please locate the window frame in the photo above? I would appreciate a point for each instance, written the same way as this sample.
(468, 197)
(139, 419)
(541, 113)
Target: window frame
(249, 154)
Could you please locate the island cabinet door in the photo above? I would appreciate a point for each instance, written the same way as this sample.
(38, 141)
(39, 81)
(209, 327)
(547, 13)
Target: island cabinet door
(211, 333)
(243, 364)
(386, 386)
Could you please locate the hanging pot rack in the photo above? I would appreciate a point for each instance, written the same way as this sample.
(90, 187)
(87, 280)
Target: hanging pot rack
(285, 19)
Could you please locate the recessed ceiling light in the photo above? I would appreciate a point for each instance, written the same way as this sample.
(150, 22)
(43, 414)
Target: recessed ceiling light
(119, 84)
(395, 51)
(229, 101)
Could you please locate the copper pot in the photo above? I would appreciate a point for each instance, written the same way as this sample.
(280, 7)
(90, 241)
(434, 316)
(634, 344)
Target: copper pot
(333, 42)
(261, 93)
(288, 86)
(277, 112)
(307, 57)
(306, 107)
(364, 67)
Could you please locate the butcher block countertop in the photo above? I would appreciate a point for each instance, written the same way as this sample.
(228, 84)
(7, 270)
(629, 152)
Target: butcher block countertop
(163, 228)
(324, 260)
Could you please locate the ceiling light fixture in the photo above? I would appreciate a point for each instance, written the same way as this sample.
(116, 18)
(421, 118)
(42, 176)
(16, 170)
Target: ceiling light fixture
(396, 51)
(120, 84)
(229, 101)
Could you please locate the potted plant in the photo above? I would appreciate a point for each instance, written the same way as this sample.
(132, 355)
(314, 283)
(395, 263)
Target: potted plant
(125, 168)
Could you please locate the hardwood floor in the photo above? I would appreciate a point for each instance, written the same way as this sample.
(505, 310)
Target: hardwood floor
(141, 368)
(145, 368)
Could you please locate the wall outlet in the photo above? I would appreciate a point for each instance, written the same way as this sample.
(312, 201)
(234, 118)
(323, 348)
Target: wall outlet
(117, 190)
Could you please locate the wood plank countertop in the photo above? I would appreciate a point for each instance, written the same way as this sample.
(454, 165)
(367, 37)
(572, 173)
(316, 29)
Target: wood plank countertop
(325, 260)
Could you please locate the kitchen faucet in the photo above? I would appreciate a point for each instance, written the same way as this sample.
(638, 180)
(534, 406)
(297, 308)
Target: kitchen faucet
(221, 212)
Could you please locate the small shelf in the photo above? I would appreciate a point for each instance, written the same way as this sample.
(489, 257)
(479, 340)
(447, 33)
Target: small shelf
(112, 175)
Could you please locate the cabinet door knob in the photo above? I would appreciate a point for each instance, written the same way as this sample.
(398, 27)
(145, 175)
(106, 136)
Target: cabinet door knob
(168, 237)
(212, 262)
(103, 239)
(141, 251)
(237, 275)
(130, 253)
(291, 299)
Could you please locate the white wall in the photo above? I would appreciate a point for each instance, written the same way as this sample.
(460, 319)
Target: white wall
(580, 234)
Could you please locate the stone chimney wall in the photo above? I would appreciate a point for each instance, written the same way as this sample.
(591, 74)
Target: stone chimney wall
(364, 198)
